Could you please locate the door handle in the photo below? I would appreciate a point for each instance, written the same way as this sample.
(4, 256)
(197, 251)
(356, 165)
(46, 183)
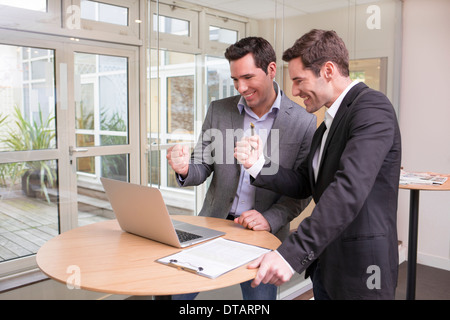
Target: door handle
(73, 149)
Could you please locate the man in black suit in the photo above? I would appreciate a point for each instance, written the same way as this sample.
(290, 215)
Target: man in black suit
(349, 243)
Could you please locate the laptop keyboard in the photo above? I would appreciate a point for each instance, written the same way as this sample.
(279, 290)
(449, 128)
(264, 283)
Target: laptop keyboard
(184, 236)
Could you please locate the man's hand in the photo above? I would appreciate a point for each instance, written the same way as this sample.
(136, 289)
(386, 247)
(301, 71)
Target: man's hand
(248, 150)
(178, 157)
(253, 220)
(272, 269)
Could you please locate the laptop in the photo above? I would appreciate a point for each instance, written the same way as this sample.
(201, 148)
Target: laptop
(141, 210)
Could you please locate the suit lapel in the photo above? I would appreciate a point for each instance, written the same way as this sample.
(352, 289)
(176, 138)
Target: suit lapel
(343, 108)
(237, 118)
(278, 124)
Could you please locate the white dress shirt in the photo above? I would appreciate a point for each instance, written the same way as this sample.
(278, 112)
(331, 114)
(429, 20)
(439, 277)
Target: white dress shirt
(330, 113)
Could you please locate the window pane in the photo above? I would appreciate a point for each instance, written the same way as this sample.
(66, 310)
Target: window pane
(154, 165)
(96, 11)
(372, 72)
(171, 25)
(93, 205)
(102, 101)
(35, 5)
(171, 120)
(28, 207)
(222, 35)
(110, 166)
(27, 100)
(180, 104)
(38, 69)
(85, 63)
(85, 140)
(218, 78)
(85, 112)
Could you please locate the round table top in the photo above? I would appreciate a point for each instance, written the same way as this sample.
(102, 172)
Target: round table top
(107, 259)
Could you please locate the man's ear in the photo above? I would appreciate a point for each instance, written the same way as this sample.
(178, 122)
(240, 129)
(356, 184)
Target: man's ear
(328, 70)
(272, 70)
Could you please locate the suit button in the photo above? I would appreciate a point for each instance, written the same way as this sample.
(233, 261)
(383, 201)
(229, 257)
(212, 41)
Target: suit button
(311, 255)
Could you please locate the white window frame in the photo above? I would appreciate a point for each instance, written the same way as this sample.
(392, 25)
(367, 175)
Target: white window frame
(31, 20)
(188, 44)
(218, 48)
(89, 29)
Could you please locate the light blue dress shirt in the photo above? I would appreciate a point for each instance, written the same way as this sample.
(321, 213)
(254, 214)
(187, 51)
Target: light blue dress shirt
(245, 193)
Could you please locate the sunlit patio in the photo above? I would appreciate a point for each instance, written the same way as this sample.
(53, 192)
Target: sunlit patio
(27, 223)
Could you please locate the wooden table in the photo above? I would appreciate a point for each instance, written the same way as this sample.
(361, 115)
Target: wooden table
(414, 227)
(112, 261)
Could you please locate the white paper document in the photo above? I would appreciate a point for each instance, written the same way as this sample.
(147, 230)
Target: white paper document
(421, 178)
(214, 257)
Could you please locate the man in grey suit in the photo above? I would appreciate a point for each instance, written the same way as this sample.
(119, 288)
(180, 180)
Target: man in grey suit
(349, 243)
(287, 130)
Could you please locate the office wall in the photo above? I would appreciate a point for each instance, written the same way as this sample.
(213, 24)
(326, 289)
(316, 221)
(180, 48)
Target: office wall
(425, 122)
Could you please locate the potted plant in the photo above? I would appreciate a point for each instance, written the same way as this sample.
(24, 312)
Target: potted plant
(37, 176)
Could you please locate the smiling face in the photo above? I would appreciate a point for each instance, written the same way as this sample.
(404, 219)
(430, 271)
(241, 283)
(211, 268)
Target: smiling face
(253, 83)
(315, 91)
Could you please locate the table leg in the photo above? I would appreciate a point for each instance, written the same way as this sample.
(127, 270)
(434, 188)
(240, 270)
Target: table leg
(412, 244)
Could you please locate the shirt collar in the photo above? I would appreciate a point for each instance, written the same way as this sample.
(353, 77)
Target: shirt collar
(331, 111)
(242, 104)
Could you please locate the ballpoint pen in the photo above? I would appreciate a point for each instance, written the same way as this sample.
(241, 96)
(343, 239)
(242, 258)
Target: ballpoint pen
(252, 127)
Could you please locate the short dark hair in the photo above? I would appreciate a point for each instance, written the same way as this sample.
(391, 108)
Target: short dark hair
(262, 50)
(316, 48)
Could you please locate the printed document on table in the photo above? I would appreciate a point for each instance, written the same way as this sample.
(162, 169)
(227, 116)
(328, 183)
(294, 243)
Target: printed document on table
(421, 178)
(214, 257)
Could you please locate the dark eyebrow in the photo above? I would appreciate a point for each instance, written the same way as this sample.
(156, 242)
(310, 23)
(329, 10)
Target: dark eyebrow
(244, 76)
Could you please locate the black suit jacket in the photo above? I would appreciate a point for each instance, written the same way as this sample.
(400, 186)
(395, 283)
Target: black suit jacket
(352, 230)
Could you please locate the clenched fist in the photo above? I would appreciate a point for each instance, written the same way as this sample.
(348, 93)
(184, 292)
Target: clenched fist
(178, 157)
(248, 150)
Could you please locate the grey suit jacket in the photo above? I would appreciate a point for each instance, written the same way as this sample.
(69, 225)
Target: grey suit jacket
(352, 230)
(213, 154)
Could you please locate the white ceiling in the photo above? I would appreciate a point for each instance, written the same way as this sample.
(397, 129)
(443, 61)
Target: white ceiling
(263, 9)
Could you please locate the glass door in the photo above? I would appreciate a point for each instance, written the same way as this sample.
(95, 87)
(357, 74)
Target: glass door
(104, 130)
(171, 121)
(69, 114)
(29, 214)
(187, 70)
